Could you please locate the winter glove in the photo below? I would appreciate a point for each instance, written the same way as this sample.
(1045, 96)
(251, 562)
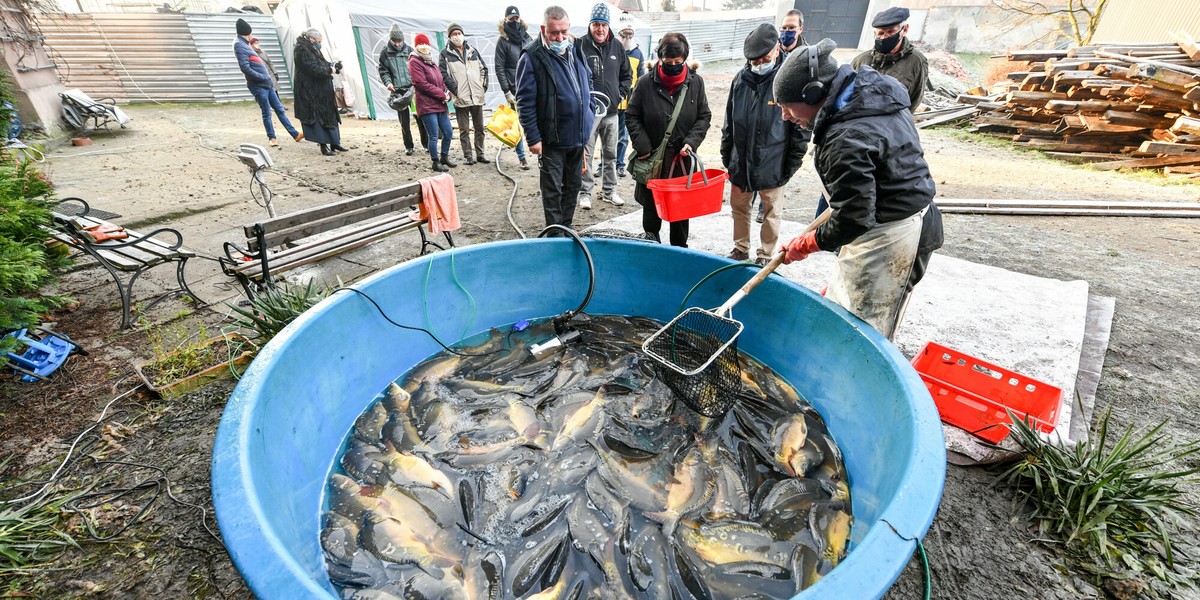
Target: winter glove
(512, 100)
(800, 247)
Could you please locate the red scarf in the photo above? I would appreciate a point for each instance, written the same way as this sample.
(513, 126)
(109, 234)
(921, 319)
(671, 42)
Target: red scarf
(672, 82)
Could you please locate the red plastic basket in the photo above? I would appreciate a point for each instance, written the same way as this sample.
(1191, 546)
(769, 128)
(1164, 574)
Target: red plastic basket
(974, 395)
(696, 194)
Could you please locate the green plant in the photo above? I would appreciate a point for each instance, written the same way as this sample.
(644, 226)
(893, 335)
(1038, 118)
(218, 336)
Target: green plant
(1113, 507)
(187, 357)
(25, 263)
(272, 310)
(30, 533)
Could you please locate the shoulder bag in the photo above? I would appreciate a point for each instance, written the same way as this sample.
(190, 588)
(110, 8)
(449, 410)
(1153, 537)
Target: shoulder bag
(644, 170)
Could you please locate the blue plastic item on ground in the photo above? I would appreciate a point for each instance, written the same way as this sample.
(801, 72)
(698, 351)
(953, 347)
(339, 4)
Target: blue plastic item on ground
(291, 412)
(41, 357)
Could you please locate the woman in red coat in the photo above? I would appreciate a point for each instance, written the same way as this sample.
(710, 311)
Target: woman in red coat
(432, 96)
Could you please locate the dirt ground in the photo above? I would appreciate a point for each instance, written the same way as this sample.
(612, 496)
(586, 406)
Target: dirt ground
(173, 167)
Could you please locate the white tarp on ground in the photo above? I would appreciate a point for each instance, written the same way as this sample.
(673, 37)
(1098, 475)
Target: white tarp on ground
(356, 30)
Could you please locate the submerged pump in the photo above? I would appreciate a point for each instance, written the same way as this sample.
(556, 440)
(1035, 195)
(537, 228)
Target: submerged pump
(565, 333)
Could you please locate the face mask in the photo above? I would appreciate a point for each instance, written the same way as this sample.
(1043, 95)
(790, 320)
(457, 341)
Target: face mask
(672, 69)
(560, 47)
(763, 69)
(889, 43)
(514, 28)
(787, 38)
(628, 43)
(424, 49)
(457, 40)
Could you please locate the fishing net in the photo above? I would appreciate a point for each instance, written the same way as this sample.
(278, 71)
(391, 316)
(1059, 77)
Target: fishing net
(613, 233)
(696, 356)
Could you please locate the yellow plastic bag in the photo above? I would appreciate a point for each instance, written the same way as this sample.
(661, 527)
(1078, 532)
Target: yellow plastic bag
(506, 125)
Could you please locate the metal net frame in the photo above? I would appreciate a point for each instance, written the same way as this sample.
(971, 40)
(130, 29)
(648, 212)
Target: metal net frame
(696, 356)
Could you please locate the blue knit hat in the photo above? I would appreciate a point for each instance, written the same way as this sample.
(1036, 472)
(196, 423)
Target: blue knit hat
(600, 13)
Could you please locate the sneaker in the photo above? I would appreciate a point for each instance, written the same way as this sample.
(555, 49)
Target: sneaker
(738, 255)
(761, 215)
(613, 199)
(273, 142)
(621, 171)
(585, 201)
(299, 137)
(524, 165)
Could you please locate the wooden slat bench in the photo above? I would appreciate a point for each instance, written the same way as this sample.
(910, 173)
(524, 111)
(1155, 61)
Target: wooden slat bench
(300, 238)
(134, 254)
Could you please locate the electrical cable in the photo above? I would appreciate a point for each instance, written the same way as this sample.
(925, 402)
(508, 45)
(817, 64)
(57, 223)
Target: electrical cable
(511, 197)
(409, 327)
(924, 558)
(567, 316)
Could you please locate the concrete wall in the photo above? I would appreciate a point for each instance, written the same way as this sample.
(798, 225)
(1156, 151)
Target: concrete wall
(31, 75)
(984, 29)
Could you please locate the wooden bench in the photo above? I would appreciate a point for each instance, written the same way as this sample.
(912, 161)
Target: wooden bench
(289, 241)
(136, 253)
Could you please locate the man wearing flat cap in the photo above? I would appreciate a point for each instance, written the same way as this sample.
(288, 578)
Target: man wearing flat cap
(895, 55)
(759, 149)
(869, 158)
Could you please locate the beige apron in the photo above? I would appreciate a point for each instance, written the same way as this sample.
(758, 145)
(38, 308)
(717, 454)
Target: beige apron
(872, 272)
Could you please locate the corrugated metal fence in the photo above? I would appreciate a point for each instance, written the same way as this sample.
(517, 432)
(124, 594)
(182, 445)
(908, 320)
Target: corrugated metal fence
(167, 57)
(1132, 21)
(710, 40)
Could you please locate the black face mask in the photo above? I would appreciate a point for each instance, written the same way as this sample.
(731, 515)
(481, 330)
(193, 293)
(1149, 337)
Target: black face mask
(513, 28)
(889, 43)
(672, 69)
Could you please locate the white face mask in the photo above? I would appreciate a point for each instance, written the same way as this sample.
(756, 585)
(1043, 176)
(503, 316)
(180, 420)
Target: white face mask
(457, 39)
(763, 69)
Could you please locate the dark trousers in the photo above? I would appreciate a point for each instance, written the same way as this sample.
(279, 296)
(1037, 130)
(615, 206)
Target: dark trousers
(560, 173)
(652, 224)
(465, 116)
(406, 127)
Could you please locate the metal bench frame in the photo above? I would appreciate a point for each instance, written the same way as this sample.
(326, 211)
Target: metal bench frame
(135, 254)
(301, 240)
(99, 112)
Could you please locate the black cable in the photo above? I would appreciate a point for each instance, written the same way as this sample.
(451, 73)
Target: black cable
(560, 320)
(409, 327)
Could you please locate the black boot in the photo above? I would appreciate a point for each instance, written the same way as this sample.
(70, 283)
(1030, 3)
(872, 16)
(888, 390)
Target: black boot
(446, 161)
(437, 166)
(337, 147)
(325, 150)
(482, 159)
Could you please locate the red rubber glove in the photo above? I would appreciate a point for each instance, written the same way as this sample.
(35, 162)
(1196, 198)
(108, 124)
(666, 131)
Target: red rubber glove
(800, 247)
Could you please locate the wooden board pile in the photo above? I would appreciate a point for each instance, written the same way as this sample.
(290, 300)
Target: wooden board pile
(1118, 106)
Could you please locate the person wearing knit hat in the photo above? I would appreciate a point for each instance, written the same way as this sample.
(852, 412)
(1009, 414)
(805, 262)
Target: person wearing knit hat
(759, 149)
(895, 55)
(261, 82)
(637, 66)
(393, 74)
(868, 155)
(432, 98)
(466, 76)
(612, 77)
(514, 36)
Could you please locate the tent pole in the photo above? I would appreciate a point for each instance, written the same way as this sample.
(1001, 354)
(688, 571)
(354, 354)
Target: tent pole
(362, 67)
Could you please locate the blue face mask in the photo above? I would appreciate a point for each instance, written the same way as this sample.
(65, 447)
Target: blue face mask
(787, 38)
(317, 45)
(560, 47)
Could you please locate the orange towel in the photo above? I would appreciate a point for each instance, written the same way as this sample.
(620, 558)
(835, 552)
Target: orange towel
(439, 203)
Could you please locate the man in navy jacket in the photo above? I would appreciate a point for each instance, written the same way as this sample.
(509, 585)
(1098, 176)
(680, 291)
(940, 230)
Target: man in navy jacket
(262, 86)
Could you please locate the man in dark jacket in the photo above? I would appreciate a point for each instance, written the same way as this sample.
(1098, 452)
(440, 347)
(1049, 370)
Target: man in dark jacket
(513, 37)
(637, 67)
(869, 157)
(895, 55)
(261, 84)
(791, 33)
(466, 77)
(760, 150)
(611, 76)
(553, 97)
(393, 73)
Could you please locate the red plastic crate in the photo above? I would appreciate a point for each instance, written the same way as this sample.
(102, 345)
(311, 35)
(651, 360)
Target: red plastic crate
(973, 394)
(675, 201)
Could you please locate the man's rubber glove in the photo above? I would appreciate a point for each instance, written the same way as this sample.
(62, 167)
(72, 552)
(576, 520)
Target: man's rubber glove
(800, 247)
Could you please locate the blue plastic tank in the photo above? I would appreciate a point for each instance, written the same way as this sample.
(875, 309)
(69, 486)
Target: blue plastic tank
(292, 410)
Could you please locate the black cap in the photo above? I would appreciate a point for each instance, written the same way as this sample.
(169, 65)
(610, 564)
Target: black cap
(761, 41)
(889, 17)
(511, 12)
(243, 28)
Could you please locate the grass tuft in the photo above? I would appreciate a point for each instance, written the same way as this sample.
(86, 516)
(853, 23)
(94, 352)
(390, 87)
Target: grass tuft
(272, 310)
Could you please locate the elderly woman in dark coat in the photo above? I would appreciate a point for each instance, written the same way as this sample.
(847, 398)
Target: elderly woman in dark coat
(315, 106)
(649, 113)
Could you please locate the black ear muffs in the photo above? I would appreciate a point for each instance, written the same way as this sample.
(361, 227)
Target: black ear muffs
(814, 90)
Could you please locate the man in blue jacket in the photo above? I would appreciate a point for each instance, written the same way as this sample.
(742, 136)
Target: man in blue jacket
(262, 86)
(554, 100)
(760, 150)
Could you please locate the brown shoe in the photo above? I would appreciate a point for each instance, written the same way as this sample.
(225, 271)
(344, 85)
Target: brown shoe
(273, 142)
(762, 261)
(299, 137)
(738, 255)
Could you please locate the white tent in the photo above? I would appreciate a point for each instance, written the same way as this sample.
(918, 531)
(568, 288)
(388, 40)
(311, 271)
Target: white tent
(356, 30)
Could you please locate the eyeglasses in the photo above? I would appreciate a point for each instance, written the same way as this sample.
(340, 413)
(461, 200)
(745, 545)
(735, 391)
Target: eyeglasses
(625, 34)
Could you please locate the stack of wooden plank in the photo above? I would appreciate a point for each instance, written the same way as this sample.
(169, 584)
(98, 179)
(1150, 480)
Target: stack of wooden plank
(1116, 105)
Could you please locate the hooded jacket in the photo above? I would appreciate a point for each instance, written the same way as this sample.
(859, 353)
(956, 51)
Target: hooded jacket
(650, 110)
(869, 156)
(907, 65)
(313, 83)
(508, 50)
(760, 150)
(465, 74)
(554, 96)
(611, 73)
(253, 67)
(393, 65)
(428, 83)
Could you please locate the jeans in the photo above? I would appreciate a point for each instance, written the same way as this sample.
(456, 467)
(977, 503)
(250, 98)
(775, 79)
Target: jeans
(521, 148)
(606, 131)
(622, 139)
(465, 116)
(268, 101)
(559, 173)
(437, 126)
(652, 223)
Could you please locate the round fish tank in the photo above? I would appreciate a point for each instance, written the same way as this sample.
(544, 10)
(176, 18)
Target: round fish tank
(289, 416)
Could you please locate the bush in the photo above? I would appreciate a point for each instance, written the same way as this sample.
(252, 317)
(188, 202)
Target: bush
(279, 305)
(25, 264)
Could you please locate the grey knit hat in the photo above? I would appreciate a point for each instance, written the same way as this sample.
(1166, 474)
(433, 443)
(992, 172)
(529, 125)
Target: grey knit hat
(396, 35)
(451, 28)
(794, 74)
